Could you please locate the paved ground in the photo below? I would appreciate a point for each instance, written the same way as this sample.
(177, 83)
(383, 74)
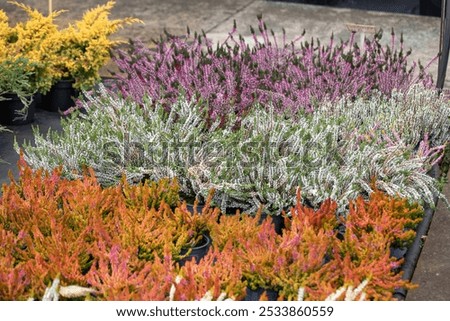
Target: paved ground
(216, 18)
(44, 120)
(433, 269)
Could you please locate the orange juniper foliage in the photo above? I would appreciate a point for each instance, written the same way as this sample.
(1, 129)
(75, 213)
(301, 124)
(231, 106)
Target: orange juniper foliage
(125, 242)
(219, 272)
(51, 226)
(305, 247)
(115, 278)
(372, 228)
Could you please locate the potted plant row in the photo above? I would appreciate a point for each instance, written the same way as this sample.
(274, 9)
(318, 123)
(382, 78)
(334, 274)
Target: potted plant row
(60, 62)
(118, 243)
(196, 119)
(233, 75)
(229, 81)
(329, 153)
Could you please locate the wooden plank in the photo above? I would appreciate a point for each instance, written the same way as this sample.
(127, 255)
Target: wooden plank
(354, 27)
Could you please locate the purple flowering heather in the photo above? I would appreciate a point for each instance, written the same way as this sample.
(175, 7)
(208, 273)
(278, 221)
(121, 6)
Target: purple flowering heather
(232, 76)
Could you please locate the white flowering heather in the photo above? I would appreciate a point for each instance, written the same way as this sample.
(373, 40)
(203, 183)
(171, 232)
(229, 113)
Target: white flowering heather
(270, 155)
(118, 137)
(101, 139)
(55, 291)
(418, 117)
(340, 151)
(207, 297)
(351, 293)
(344, 293)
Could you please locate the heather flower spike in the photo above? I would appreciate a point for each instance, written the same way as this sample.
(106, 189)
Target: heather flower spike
(235, 75)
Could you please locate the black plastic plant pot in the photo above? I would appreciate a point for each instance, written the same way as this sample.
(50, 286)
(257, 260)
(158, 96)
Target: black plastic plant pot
(190, 203)
(191, 208)
(198, 252)
(233, 210)
(10, 111)
(255, 295)
(38, 99)
(277, 221)
(61, 96)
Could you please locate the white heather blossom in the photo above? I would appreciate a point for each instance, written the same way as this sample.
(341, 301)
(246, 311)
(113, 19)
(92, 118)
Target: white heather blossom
(351, 294)
(55, 291)
(334, 152)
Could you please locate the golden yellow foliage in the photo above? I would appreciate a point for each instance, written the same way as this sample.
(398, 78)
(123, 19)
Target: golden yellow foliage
(27, 39)
(83, 48)
(5, 31)
(77, 51)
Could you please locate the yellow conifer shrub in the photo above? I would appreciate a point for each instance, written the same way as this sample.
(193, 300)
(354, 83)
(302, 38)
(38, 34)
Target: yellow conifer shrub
(77, 51)
(83, 48)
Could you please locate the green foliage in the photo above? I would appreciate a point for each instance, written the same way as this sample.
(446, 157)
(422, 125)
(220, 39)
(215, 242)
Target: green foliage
(17, 77)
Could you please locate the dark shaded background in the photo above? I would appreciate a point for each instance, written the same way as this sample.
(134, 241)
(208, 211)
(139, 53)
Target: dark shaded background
(417, 7)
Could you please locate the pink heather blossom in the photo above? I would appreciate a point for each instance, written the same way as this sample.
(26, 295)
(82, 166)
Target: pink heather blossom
(234, 75)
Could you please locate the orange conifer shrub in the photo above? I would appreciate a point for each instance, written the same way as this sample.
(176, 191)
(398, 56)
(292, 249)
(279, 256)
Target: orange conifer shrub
(125, 242)
(217, 276)
(119, 275)
(305, 249)
(372, 228)
(53, 227)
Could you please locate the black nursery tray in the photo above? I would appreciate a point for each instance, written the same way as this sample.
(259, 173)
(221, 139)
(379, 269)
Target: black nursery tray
(413, 253)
